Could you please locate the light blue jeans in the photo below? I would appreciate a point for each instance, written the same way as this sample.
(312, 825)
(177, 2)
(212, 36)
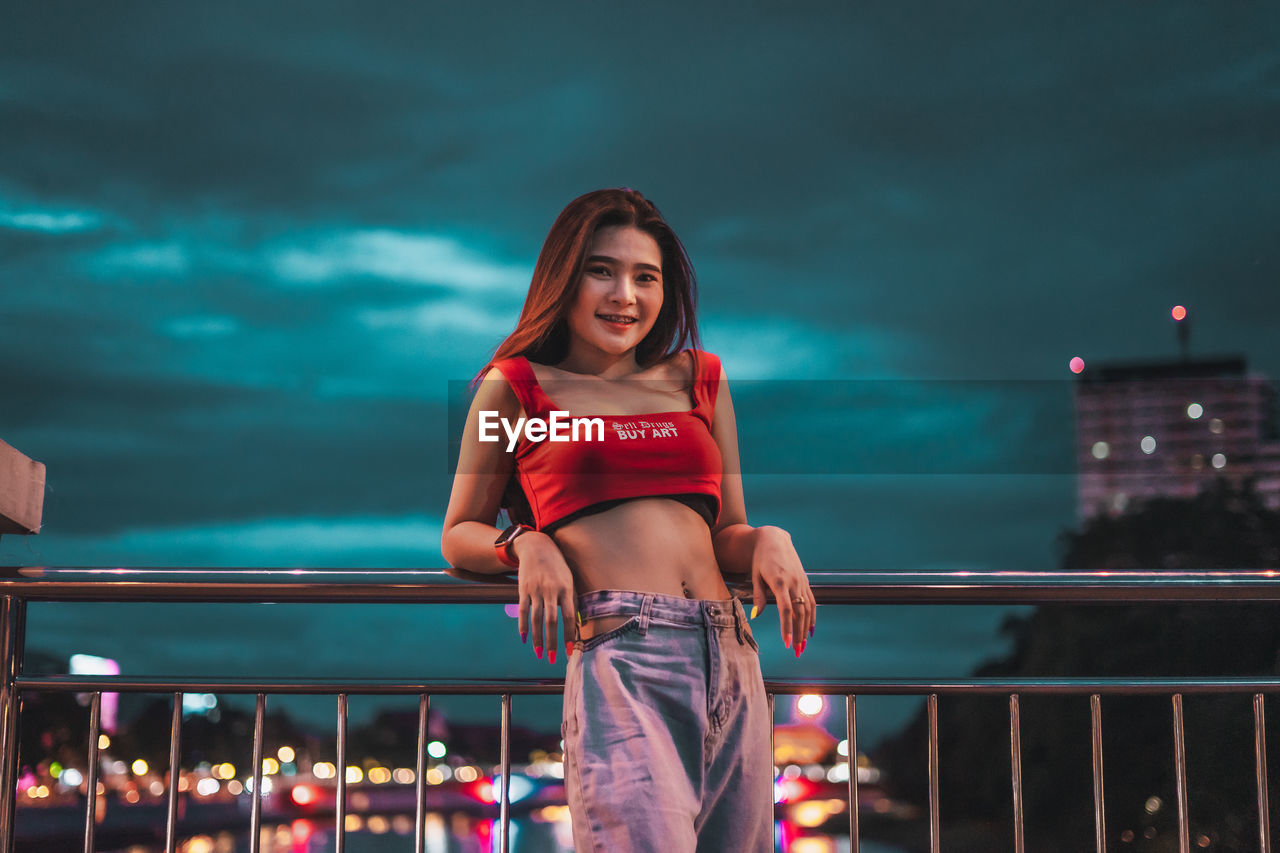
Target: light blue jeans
(666, 729)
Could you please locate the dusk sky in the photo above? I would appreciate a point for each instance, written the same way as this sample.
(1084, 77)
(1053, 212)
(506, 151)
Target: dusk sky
(245, 250)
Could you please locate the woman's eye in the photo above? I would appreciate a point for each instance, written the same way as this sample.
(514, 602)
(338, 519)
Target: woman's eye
(598, 270)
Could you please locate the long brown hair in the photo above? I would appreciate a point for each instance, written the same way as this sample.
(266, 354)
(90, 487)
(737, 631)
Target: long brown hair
(542, 332)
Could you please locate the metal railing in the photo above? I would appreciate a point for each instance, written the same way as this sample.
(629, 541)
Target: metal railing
(18, 586)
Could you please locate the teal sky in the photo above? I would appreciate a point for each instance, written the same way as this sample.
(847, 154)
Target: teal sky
(245, 250)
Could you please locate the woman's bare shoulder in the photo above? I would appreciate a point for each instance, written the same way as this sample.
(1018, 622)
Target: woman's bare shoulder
(495, 390)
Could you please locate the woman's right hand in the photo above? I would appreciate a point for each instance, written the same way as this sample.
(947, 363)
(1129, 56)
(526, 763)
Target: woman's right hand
(546, 589)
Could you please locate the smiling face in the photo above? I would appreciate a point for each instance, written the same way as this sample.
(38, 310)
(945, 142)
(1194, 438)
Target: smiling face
(619, 295)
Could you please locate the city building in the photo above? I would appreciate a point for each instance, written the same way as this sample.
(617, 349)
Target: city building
(1168, 429)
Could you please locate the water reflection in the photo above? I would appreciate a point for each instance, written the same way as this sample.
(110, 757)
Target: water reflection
(547, 831)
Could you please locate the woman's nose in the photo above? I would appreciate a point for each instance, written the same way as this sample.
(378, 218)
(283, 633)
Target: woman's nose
(624, 290)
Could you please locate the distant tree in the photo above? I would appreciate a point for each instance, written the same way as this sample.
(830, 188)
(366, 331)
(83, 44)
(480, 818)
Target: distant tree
(1225, 527)
(52, 726)
(224, 735)
(392, 736)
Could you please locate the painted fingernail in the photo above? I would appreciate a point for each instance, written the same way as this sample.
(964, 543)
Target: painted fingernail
(786, 641)
(755, 610)
(524, 636)
(811, 629)
(568, 647)
(551, 655)
(800, 649)
(537, 650)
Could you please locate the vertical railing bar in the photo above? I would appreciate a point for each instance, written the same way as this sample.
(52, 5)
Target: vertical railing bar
(1260, 763)
(772, 753)
(340, 804)
(1015, 763)
(504, 810)
(1099, 796)
(851, 732)
(1180, 775)
(255, 810)
(175, 771)
(91, 798)
(935, 824)
(420, 827)
(12, 637)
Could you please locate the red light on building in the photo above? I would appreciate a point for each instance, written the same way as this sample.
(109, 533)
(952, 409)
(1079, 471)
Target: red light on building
(304, 795)
(1178, 312)
(795, 790)
(481, 790)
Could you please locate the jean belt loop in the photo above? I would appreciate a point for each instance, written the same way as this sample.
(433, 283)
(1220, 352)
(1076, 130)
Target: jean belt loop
(645, 604)
(739, 622)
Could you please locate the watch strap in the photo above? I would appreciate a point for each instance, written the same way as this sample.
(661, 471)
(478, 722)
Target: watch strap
(503, 544)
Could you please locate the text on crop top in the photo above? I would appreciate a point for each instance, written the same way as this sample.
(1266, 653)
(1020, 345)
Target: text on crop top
(660, 454)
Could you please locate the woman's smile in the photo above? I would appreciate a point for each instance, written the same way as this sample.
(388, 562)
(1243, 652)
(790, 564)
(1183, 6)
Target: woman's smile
(620, 322)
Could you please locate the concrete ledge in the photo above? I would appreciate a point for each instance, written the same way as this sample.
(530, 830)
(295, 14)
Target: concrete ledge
(21, 492)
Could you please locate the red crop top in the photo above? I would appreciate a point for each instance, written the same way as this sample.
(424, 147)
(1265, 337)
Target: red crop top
(660, 454)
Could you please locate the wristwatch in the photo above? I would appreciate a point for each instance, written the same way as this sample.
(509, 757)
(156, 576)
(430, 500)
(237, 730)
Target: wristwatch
(503, 543)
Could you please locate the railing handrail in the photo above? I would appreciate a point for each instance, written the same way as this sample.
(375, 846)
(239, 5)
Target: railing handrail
(878, 686)
(444, 586)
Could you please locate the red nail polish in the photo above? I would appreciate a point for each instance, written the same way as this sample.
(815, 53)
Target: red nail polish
(568, 648)
(537, 650)
(786, 641)
(551, 655)
(800, 651)
(524, 636)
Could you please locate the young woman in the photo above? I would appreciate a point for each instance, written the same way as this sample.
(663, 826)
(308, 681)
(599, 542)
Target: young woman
(624, 532)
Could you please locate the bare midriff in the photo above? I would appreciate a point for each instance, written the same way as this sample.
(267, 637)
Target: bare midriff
(644, 545)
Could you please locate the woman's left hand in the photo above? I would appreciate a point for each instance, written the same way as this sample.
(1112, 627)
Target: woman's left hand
(774, 562)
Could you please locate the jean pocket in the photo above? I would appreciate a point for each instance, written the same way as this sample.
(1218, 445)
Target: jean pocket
(608, 636)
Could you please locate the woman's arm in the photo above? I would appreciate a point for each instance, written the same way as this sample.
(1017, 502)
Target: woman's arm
(765, 552)
(483, 471)
(545, 582)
